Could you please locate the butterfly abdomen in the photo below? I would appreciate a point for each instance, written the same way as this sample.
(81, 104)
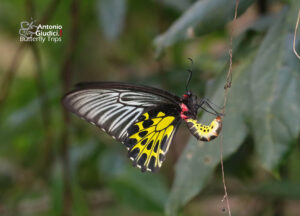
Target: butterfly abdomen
(205, 132)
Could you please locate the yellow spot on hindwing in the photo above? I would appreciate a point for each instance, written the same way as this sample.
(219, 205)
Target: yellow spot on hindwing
(146, 116)
(139, 143)
(144, 149)
(165, 122)
(169, 130)
(156, 149)
(156, 120)
(137, 136)
(160, 136)
(140, 125)
(160, 114)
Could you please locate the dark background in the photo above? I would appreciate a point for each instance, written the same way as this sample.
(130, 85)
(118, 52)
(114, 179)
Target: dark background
(53, 163)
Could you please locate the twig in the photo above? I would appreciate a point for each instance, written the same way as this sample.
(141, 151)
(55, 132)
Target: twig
(226, 87)
(229, 73)
(45, 110)
(295, 35)
(66, 75)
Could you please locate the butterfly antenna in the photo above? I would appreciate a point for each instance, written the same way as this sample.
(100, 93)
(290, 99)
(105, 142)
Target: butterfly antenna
(190, 75)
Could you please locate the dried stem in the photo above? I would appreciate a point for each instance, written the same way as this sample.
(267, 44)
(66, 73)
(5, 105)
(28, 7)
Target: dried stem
(45, 110)
(226, 87)
(66, 77)
(295, 36)
(229, 73)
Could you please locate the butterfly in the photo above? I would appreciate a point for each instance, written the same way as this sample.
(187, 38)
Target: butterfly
(143, 118)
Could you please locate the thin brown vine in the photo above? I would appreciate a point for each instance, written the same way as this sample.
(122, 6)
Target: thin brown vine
(295, 36)
(226, 87)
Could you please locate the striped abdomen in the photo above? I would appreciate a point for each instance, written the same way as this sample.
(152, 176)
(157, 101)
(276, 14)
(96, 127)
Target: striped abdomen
(205, 132)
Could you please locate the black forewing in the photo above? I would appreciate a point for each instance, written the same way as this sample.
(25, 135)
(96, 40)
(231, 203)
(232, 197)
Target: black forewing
(114, 106)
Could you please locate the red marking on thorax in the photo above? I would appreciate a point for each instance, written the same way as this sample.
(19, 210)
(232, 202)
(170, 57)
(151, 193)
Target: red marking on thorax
(182, 116)
(184, 109)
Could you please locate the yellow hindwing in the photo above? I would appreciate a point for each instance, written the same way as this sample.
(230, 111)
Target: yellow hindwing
(149, 139)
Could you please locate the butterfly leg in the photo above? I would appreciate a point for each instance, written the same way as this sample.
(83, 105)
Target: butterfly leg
(206, 102)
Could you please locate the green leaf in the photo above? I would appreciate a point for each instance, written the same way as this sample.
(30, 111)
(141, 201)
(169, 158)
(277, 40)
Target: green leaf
(204, 15)
(81, 152)
(177, 4)
(111, 14)
(80, 205)
(275, 87)
(199, 159)
(283, 189)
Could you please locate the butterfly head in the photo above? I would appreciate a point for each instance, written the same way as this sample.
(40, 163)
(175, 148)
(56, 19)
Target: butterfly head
(187, 95)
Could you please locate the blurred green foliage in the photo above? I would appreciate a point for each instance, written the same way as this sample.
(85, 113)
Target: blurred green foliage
(51, 167)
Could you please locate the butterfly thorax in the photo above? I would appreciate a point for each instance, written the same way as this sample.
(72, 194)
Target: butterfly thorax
(189, 107)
